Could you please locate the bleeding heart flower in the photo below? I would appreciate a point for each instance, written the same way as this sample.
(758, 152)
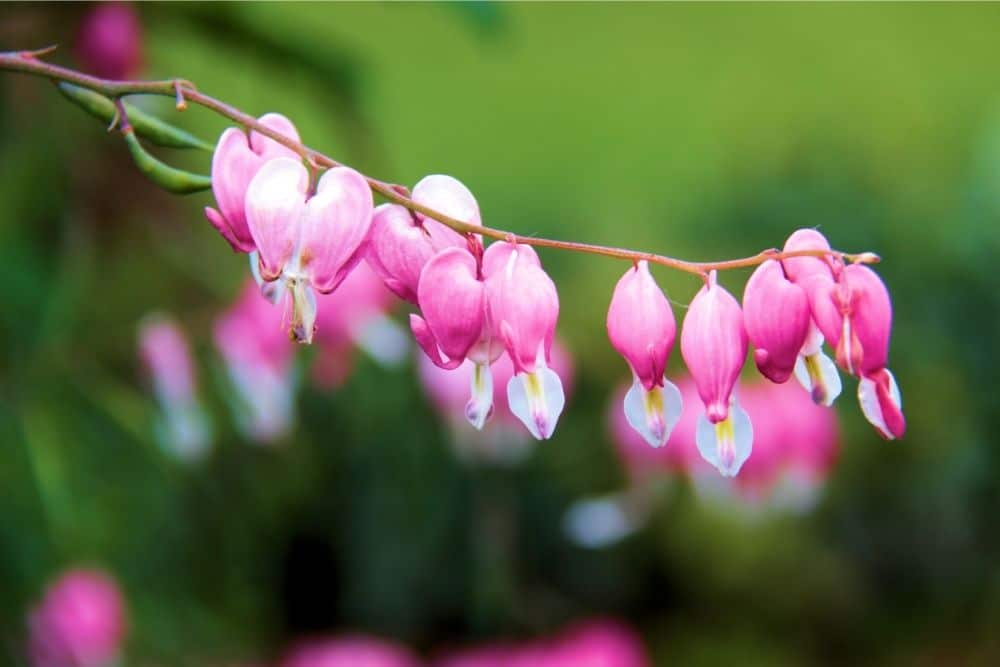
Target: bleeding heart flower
(641, 328)
(310, 242)
(714, 347)
(523, 309)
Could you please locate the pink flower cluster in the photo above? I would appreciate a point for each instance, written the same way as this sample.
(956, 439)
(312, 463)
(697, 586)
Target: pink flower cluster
(80, 622)
(479, 303)
(306, 236)
(789, 308)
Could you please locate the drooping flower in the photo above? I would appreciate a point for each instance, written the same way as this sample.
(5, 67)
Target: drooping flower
(855, 315)
(714, 347)
(776, 316)
(310, 242)
(183, 428)
(109, 43)
(403, 242)
(349, 651)
(80, 622)
(259, 360)
(523, 310)
(641, 328)
(813, 369)
(236, 160)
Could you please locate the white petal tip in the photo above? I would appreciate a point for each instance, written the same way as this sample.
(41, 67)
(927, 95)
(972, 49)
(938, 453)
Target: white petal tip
(537, 399)
(654, 413)
(726, 445)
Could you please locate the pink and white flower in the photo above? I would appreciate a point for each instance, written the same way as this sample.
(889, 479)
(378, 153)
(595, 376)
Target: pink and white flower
(641, 328)
(311, 241)
(81, 622)
(714, 347)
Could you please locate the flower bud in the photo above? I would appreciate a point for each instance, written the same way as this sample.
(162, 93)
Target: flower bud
(109, 44)
(776, 316)
(236, 160)
(447, 195)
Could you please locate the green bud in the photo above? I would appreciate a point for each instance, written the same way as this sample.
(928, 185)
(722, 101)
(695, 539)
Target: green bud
(169, 178)
(146, 126)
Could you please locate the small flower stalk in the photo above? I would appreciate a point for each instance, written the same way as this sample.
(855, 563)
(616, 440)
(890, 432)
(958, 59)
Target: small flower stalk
(641, 328)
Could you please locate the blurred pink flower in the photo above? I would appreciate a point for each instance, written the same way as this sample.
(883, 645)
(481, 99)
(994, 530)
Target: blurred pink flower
(356, 314)
(259, 360)
(349, 651)
(183, 430)
(593, 643)
(79, 623)
(109, 42)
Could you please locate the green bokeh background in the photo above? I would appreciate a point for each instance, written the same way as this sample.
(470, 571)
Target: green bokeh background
(701, 131)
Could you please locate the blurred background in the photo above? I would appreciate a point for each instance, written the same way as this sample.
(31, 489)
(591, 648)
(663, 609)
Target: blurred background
(704, 132)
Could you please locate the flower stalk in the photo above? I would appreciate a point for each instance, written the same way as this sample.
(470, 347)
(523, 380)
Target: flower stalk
(184, 92)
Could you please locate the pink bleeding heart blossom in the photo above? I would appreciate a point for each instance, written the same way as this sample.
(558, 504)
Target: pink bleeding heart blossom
(813, 369)
(259, 360)
(403, 242)
(109, 43)
(349, 651)
(523, 310)
(184, 428)
(776, 316)
(855, 315)
(714, 347)
(355, 315)
(641, 328)
(80, 622)
(237, 159)
(795, 446)
(311, 242)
